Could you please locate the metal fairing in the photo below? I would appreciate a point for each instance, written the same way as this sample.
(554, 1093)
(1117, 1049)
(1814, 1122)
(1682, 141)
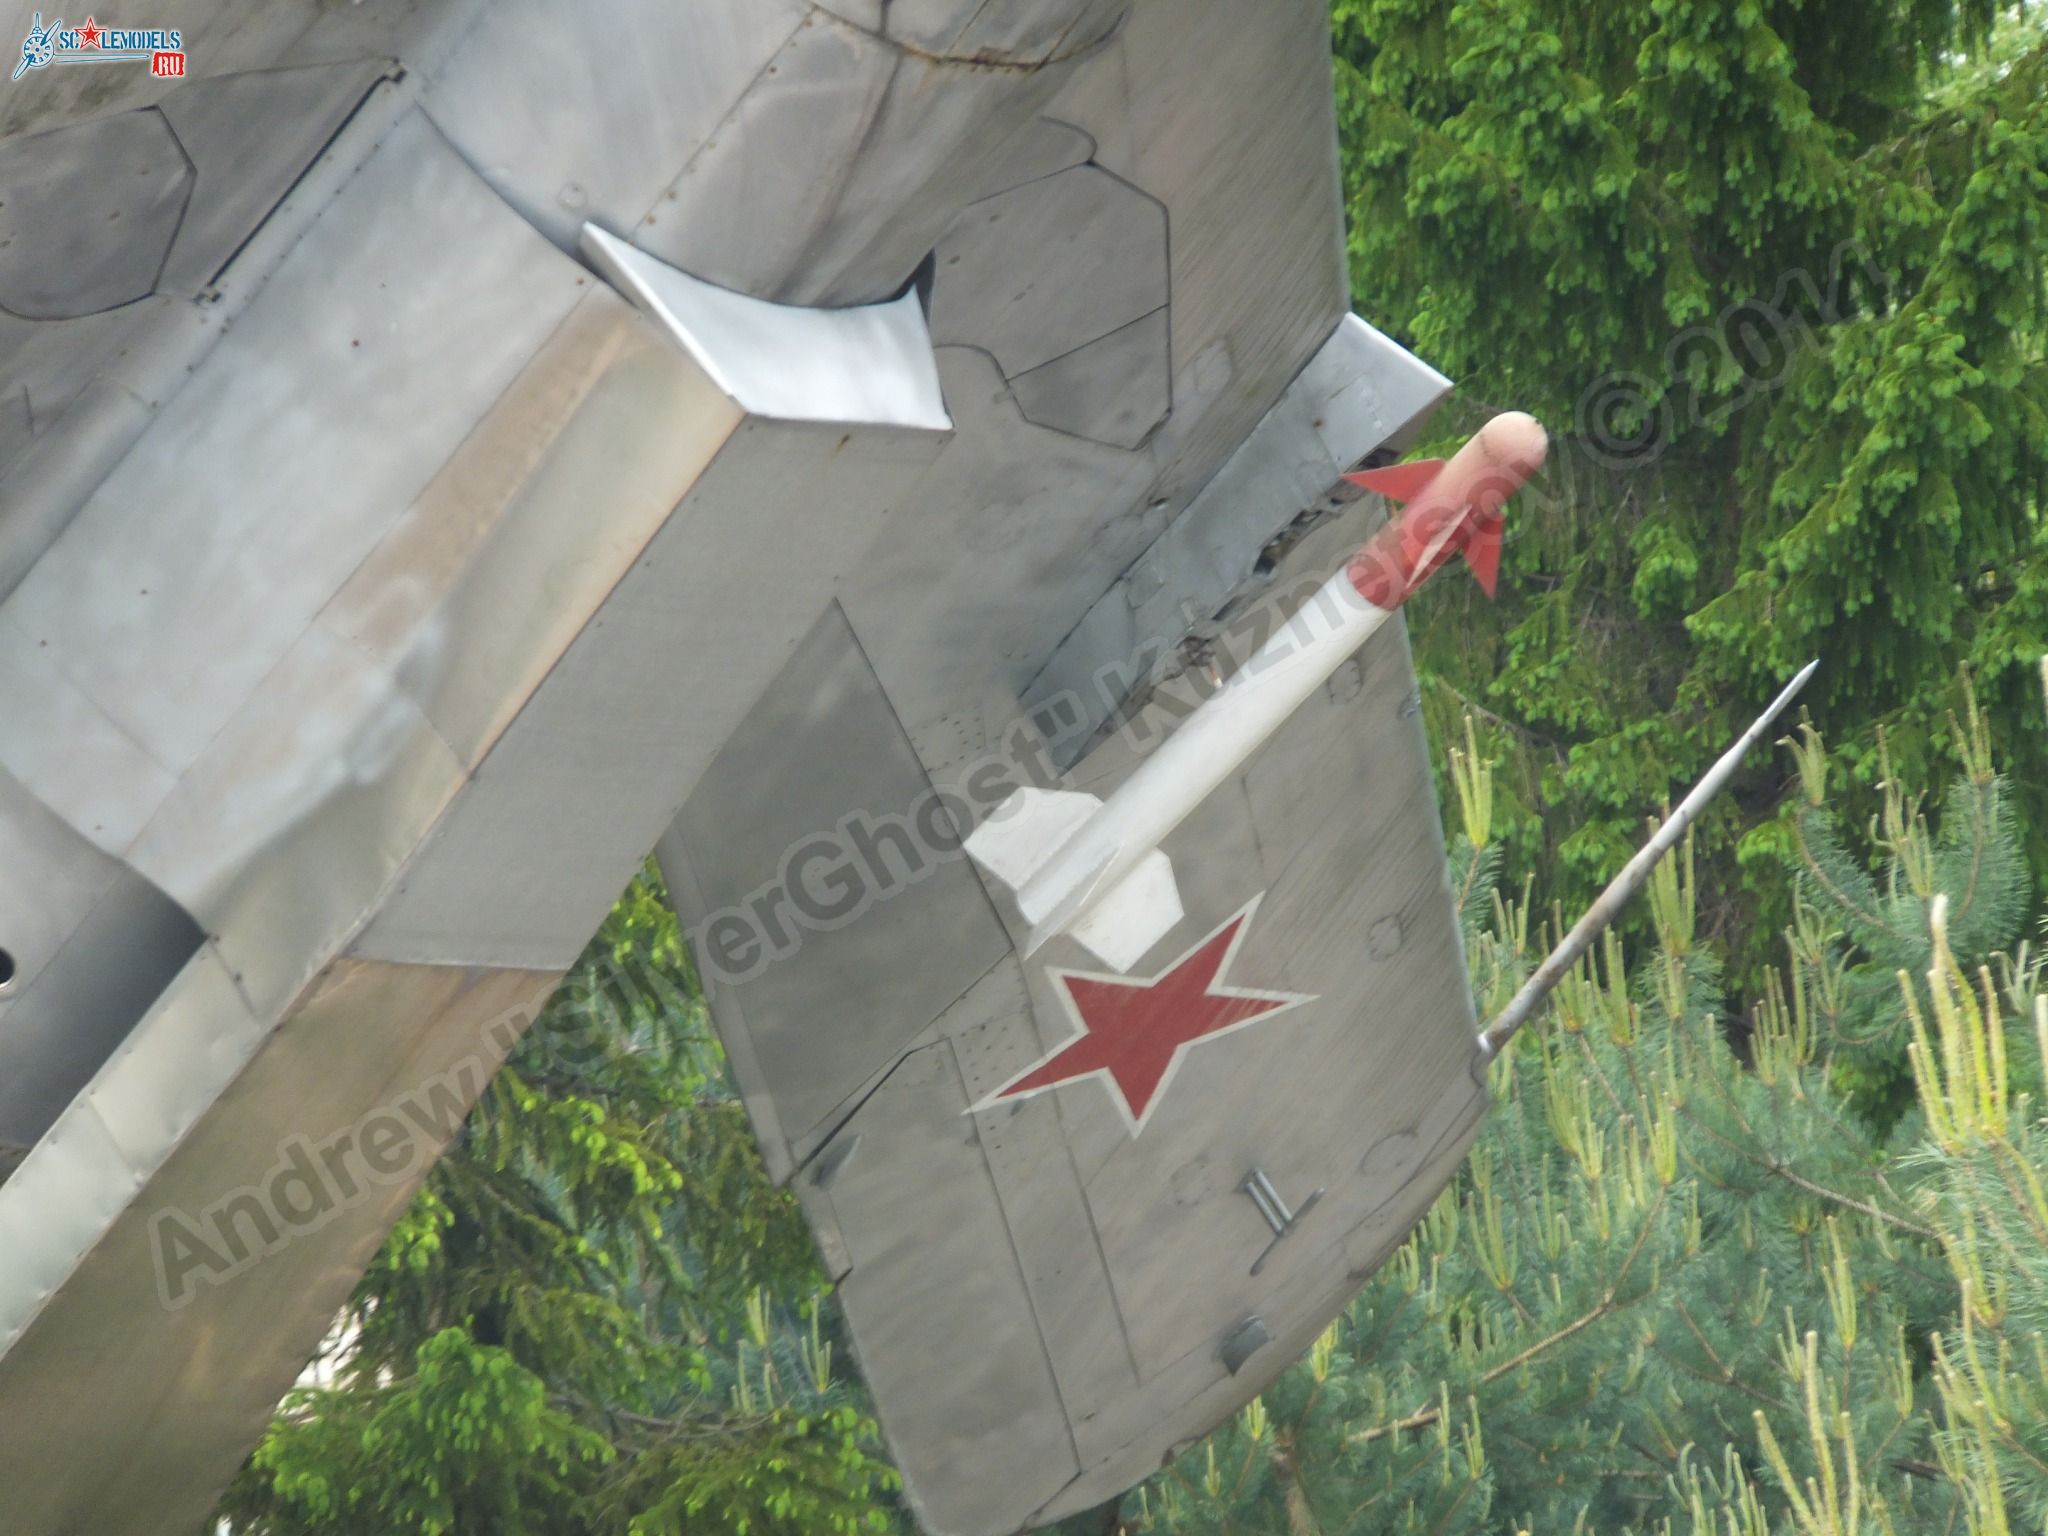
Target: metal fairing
(484, 453)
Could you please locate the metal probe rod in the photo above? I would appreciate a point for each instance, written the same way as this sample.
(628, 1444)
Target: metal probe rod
(1607, 906)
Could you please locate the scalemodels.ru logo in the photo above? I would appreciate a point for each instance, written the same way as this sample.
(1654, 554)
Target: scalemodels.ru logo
(163, 49)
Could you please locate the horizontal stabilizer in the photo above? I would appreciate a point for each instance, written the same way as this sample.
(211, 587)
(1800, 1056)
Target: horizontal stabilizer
(1026, 830)
(1399, 482)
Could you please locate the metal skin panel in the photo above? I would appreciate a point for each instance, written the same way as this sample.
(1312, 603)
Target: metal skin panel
(583, 782)
(221, 35)
(228, 37)
(56, 1029)
(1392, 1025)
(279, 841)
(835, 175)
(1031, 1156)
(1230, 124)
(67, 913)
(59, 1202)
(116, 367)
(78, 385)
(94, 383)
(240, 174)
(1001, 550)
(318, 406)
(288, 785)
(774, 148)
(1356, 393)
(566, 132)
(823, 751)
(365, 1041)
(1017, 32)
(89, 215)
(108, 806)
(17, 426)
(1040, 270)
(1364, 385)
(1039, 148)
(1114, 389)
(483, 583)
(55, 878)
(997, 550)
(977, 1430)
(1193, 1396)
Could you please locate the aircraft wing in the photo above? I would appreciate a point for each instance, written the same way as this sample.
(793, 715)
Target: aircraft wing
(1078, 1217)
(447, 451)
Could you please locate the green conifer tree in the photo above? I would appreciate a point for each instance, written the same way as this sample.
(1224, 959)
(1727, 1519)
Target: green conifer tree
(1771, 272)
(597, 1318)
(1686, 1285)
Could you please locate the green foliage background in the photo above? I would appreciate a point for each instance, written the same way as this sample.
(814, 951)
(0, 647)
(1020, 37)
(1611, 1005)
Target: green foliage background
(1772, 275)
(597, 1319)
(1756, 1240)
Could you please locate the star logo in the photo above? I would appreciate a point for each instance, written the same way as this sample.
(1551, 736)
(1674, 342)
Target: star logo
(89, 34)
(1133, 1033)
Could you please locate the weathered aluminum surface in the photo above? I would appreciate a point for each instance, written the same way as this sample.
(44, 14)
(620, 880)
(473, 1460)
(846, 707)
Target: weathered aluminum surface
(1356, 912)
(569, 130)
(808, 823)
(1001, 545)
(214, 585)
(1039, 148)
(1019, 33)
(1114, 389)
(245, 141)
(89, 215)
(432, 397)
(1401, 1098)
(1209, 118)
(487, 578)
(1062, 279)
(979, 1433)
(873, 145)
(242, 169)
(1229, 123)
(93, 384)
(1360, 391)
(225, 37)
(1037, 271)
(594, 766)
(90, 944)
(775, 149)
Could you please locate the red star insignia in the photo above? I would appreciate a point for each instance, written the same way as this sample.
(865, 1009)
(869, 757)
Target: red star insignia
(1133, 1032)
(89, 34)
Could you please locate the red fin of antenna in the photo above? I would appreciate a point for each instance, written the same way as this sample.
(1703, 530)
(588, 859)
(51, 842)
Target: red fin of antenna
(1481, 549)
(1398, 482)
